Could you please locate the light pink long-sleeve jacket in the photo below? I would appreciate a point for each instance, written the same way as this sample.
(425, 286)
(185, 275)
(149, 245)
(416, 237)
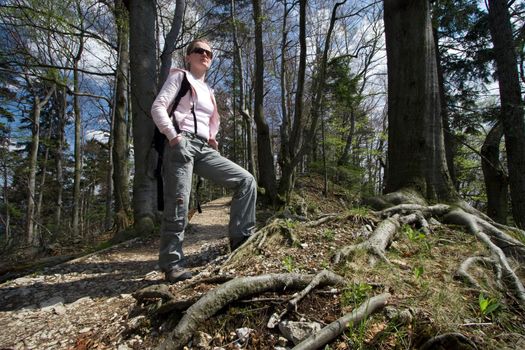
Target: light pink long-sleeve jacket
(183, 116)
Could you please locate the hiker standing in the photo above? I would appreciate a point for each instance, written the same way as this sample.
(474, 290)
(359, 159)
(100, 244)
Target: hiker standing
(191, 130)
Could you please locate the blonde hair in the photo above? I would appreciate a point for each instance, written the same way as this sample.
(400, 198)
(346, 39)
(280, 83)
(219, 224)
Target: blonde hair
(192, 45)
(190, 48)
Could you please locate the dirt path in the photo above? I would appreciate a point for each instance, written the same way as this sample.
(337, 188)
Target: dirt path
(85, 303)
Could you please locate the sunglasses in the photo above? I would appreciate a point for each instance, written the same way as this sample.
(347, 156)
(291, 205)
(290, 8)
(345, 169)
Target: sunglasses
(200, 51)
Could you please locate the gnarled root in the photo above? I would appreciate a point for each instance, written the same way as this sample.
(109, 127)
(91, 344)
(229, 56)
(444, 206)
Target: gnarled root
(377, 244)
(471, 222)
(334, 329)
(463, 273)
(231, 291)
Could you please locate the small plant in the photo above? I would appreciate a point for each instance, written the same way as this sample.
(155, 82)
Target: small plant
(487, 305)
(418, 271)
(355, 294)
(329, 234)
(288, 263)
(290, 224)
(412, 234)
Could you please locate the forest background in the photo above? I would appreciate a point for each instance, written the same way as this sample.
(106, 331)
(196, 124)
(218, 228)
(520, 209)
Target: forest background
(303, 88)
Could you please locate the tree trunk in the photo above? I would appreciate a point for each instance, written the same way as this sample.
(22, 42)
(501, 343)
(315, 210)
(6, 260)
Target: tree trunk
(119, 127)
(300, 141)
(169, 43)
(38, 207)
(250, 160)
(142, 14)
(496, 181)
(78, 141)
(450, 146)
(291, 140)
(59, 156)
(264, 147)
(30, 237)
(512, 115)
(416, 152)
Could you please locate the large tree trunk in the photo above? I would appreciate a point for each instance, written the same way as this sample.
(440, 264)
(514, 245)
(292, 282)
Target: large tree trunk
(264, 146)
(142, 14)
(416, 153)
(496, 181)
(512, 113)
(119, 131)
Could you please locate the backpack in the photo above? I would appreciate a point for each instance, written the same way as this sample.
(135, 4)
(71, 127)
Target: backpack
(159, 141)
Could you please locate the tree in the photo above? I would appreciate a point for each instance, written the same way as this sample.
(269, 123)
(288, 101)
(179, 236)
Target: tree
(264, 147)
(512, 114)
(120, 153)
(143, 63)
(416, 153)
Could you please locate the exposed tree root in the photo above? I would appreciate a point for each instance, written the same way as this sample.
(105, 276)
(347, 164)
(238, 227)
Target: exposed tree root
(463, 273)
(449, 341)
(376, 244)
(320, 278)
(471, 222)
(334, 329)
(277, 230)
(231, 291)
(408, 208)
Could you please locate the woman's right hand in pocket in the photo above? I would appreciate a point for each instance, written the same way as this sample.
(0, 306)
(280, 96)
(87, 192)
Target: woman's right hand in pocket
(175, 141)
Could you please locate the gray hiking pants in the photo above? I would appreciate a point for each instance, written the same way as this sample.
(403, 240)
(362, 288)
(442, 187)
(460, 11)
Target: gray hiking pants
(192, 154)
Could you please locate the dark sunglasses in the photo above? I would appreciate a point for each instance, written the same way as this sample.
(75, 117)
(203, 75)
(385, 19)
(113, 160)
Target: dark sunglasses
(200, 51)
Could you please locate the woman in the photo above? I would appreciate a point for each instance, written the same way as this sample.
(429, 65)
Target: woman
(194, 149)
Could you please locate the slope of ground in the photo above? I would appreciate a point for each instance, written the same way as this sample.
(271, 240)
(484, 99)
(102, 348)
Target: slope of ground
(90, 303)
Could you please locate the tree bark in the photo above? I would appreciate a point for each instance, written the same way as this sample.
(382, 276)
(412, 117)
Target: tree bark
(142, 14)
(416, 153)
(59, 156)
(78, 140)
(38, 103)
(119, 127)
(512, 115)
(169, 43)
(246, 117)
(496, 181)
(264, 147)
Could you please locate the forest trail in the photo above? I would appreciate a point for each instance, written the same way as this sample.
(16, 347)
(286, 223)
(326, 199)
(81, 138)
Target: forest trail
(69, 305)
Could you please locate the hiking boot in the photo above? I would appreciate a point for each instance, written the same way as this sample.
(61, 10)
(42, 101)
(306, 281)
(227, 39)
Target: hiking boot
(177, 275)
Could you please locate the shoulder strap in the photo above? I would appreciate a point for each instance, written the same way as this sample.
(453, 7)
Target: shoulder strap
(184, 88)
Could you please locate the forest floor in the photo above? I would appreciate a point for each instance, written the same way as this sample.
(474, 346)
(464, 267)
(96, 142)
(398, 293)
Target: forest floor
(91, 302)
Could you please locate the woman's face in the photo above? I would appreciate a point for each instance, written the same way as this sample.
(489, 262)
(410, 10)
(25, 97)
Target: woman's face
(200, 56)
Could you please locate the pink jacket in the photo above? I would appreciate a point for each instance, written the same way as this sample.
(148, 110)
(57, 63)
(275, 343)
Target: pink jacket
(183, 115)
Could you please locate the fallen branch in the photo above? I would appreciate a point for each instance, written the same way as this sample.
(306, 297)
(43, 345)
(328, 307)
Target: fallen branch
(334, 329)
(320, 221)
(230, 291)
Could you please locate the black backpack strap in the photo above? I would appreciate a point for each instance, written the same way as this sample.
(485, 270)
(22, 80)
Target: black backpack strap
(184, 88)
